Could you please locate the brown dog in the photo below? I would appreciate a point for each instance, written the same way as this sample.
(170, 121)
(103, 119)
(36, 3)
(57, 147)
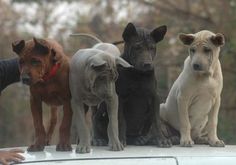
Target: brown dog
(45, 68)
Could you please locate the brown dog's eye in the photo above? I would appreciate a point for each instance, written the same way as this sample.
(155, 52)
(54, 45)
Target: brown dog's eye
(35, 62)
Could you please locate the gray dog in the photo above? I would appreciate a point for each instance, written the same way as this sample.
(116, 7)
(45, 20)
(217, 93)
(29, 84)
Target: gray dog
(93, 73)
(193, 103)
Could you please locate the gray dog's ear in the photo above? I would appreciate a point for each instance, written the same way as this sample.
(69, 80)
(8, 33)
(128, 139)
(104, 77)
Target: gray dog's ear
(97, 63)
(123, 63)
(186, 39)
(159, 33)
(18, 46)
(129, 32)
(218, 39)
(40, 46)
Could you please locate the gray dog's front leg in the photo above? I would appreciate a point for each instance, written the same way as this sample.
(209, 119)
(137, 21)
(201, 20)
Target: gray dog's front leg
(82, 128)
(112, 131)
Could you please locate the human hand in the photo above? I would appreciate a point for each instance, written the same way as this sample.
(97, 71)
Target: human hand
(11, 156)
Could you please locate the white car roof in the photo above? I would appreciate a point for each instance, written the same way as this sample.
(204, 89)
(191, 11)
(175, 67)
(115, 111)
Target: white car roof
(196, 155)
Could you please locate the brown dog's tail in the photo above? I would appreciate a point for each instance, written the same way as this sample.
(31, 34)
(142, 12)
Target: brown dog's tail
(86, 35)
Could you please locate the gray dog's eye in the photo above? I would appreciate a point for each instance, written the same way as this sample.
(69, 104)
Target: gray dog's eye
(192, 50)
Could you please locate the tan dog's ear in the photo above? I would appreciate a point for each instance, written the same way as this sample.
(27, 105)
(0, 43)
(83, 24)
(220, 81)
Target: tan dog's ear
(40, 46)
(218, 39)
(17, 46)
(123, 63)
(186, 39)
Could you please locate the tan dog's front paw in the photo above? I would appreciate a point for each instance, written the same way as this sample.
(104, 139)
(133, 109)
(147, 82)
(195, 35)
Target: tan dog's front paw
(186, 142)
(116, 146)
(217, 143)
(83, 149)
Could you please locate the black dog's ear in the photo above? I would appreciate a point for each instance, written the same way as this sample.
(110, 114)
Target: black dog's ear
(186, 39)
(40, 46)
(218, 39)
(17, 46)
(159, 33)
(129, 32)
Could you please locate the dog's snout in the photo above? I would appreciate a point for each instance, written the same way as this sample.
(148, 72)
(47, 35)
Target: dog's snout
(25, 78)
(197, 67)
(147, 66)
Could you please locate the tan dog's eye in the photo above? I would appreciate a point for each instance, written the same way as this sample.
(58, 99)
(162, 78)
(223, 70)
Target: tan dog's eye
(206, 50)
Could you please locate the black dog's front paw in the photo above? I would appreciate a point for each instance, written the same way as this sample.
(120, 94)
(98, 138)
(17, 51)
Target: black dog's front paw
(138, 141)
(161, 142)
(99, 142)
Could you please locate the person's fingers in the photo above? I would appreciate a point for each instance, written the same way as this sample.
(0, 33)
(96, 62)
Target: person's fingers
(14, 159)
(18, 156)
(17, 150)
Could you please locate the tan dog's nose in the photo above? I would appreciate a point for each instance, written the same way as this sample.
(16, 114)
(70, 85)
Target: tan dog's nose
(197, 67)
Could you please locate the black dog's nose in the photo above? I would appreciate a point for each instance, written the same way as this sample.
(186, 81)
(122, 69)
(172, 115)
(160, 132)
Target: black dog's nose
(197, 67)
(147, 66)
(25, 79)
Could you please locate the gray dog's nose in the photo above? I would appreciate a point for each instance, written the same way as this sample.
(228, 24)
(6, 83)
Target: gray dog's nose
(197, 67)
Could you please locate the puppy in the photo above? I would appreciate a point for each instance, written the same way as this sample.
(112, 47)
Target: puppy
(93, 73)
(45, 68)
(137, 91)
(193, 103)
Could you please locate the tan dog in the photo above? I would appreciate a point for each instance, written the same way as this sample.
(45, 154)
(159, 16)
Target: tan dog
(45, 68)
(193, 103)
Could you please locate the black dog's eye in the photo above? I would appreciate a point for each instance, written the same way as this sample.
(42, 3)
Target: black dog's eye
(192, 50)
(206, 50)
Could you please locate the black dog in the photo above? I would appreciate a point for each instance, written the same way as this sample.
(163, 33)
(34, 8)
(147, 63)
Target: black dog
(139, 120)
(9, 72)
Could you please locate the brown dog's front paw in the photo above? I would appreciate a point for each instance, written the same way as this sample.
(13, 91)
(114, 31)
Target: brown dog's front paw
(164, 143)
(63, 147)
(35, 148)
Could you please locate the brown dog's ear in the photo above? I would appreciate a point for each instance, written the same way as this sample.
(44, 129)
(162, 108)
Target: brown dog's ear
(129, 32)
(159, 33)
(56, 57)
(218, 39)
(40, 46)
(186, 39)
(17, 46)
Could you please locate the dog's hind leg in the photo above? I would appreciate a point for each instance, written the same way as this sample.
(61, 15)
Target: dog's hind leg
(161, 140)
(100, 122)
(52, 124)
(64, 132)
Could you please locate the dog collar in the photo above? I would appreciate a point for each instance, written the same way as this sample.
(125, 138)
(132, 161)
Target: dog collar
(52, 72)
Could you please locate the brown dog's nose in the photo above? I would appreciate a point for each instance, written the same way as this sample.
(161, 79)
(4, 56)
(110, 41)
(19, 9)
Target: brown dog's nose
(25, 78)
